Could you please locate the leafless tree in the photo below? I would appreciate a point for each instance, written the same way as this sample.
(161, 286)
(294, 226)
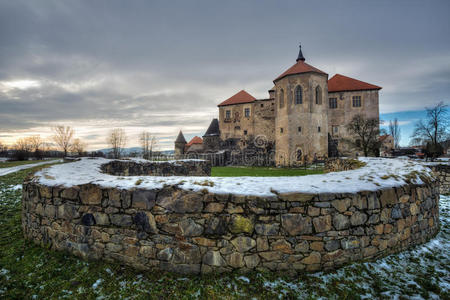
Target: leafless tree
(148, 143)
(3, 147)
(395, 132)
(78, 147)
(63, 137)
(117, 139)
(24, 144)
(365, 134)
(434, 130)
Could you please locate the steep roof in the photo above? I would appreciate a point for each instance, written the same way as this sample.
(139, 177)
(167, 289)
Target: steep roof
(180, 138)
(299, 67)
(341, 83)
(195, 140)
(213, 128)
(239, 98)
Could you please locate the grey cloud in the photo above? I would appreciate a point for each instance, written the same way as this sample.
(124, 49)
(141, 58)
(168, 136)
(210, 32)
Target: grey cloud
(155, 63)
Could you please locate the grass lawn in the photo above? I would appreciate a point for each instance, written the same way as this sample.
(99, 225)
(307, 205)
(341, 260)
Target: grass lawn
(262, 171)
(8, 164)
(28, 271)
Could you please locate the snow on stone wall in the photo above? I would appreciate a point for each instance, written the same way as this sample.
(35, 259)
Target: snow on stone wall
(172, 228)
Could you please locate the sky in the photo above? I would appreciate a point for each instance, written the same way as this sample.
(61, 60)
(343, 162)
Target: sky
(163, 66)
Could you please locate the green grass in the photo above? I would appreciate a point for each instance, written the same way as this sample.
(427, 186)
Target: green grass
(262, 171)
(28, 271)
(8, 164)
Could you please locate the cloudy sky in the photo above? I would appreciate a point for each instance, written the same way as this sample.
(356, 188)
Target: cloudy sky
(165, 65)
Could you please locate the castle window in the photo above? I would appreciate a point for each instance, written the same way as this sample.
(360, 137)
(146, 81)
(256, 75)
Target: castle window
(228, 114)
(247, 112)
(318, 129)
(299, 154)
(298, 95)
(245, 132)
(281, 130)
(333, 103)
(299, 129)
(262, 105)
(281, 98)
(318, 95)
(335, 129)
(356, 101)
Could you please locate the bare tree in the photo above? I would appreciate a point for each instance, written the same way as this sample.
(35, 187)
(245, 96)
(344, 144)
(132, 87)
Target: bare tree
(3, 147)
(395, 132)
(78, 147)
(63, 137)
(366, 134)
(434, 130)
(117, 139)
(36, 143)
(148, 143)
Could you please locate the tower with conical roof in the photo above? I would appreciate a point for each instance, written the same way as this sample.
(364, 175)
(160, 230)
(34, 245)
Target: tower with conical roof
(301, 126)
(180, 144)
(211, 139)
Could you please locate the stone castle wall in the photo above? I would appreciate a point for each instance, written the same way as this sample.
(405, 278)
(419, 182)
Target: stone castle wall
(201, 232)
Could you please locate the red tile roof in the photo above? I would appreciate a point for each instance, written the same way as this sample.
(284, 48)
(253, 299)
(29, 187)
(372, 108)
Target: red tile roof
(341, 83)
(239, 98)
(195, 140)
(298, 68)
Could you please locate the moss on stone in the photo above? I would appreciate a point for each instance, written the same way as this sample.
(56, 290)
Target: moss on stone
(241, 224)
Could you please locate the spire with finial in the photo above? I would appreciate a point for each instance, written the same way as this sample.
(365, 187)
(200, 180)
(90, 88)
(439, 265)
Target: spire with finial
(300, 54)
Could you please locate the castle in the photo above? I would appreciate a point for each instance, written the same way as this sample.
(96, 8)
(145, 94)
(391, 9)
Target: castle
(304, 117)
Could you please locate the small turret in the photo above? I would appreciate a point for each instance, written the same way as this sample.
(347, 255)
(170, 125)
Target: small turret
(180, 144)
(211, 139)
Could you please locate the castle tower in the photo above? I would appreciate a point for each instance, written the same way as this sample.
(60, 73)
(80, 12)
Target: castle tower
(180, 144)
(301, 126)
(211, 139)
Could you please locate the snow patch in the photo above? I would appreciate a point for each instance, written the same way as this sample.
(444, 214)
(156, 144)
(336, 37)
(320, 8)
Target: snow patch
(378, 173)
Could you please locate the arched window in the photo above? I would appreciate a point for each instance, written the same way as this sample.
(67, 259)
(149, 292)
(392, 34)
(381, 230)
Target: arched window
(299, 154)
(298, 95)
(318, 95)
(281, 98)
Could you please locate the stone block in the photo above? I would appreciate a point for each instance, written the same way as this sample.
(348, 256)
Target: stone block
(90, 194)
(180, 203)
(313, 258)
(70, 193)
(267, 229)
(243, 243)
(358, 218)
(322, 224)
(143, 199)
(296, 224)
(252, 261)
(341, 222)
(214, 207)
(341, 205)
(121, 220)
(213, 258)
(241, 224)
(190, 228)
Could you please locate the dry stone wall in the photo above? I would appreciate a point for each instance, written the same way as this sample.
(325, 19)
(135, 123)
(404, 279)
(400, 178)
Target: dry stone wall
(442, 172)
(187, 167)
(200, 232)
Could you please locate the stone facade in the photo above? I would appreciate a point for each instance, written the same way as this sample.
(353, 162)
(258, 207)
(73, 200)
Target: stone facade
(297, 131)
(340, 116)
(200, 232)
(301, 130)
(243, 129)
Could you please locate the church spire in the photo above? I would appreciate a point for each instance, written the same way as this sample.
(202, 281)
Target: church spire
(300, 54)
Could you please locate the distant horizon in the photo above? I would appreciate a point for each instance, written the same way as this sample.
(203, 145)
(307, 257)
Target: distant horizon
(147, 66)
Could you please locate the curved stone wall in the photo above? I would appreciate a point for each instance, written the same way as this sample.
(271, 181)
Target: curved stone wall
(186, 167)
(200, 232)
(442, 172)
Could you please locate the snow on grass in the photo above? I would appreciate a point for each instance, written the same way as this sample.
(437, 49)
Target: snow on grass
(6, 171)
(376, 174)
